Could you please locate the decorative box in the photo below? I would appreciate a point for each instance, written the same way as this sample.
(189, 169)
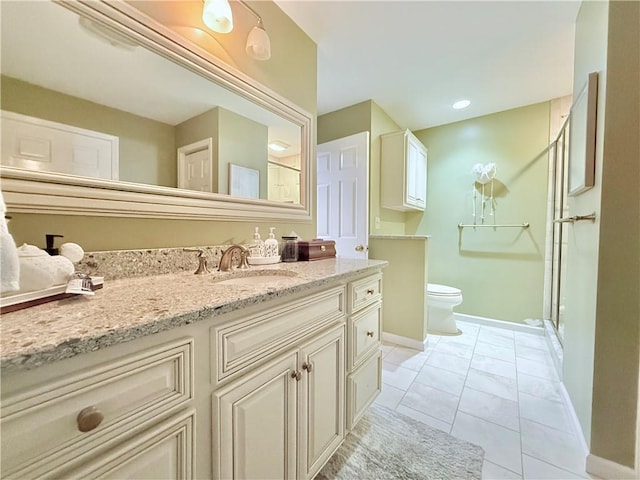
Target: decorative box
(316, 249)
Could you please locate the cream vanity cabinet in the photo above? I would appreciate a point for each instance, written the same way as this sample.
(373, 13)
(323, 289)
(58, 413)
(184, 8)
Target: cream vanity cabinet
(264, 391)
(116, 416)
(404, 172)
(284, 418)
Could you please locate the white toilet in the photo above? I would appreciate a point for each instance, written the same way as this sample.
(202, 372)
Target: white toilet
(440, 302)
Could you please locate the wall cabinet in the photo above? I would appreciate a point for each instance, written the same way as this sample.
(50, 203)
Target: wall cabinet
(403, 172)
(260, 392)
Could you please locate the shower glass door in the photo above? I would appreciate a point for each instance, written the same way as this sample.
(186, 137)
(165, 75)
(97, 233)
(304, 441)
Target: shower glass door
(560, 151)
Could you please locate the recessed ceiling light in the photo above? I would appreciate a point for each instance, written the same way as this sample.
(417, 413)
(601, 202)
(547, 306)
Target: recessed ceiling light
(278, 146)
(461, 104)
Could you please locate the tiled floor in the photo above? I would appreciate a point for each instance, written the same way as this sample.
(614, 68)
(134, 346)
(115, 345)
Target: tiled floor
(493, 387)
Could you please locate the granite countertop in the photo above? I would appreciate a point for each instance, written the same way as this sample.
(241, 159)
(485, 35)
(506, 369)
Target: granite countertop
(135, 307)
(400, 237)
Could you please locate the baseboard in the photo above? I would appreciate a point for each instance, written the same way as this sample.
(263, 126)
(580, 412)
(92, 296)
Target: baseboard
(603, 468)
(404, 341)
(574, 419)
(491, 322)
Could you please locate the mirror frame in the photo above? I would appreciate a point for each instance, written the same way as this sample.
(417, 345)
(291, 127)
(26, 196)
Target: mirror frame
(27, 191)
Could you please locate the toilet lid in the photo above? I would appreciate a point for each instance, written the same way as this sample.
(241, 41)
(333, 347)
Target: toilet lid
(442, 290)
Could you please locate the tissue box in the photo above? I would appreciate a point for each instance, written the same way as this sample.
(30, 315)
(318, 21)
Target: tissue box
(316, 249)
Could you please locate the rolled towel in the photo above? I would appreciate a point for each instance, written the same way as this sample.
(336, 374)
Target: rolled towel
(9, 263)
(39, 270)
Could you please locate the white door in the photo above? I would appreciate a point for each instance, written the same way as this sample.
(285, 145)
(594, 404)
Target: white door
(195, 166)
(343, 194)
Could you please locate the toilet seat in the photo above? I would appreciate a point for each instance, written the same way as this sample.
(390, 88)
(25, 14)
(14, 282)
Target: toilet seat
(437, 290)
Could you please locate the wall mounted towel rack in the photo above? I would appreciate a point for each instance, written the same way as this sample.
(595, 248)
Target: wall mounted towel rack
(576, 218)
(496, 225)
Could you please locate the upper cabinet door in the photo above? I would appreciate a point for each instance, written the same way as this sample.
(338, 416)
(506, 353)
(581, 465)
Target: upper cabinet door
(404, 172)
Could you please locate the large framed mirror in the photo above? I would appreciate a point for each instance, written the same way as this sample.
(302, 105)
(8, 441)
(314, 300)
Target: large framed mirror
(107, 112)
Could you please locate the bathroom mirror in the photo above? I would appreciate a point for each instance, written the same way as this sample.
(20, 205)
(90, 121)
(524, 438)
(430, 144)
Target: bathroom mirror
(107, 112)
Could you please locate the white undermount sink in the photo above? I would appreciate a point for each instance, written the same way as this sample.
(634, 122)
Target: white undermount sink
(258, 277)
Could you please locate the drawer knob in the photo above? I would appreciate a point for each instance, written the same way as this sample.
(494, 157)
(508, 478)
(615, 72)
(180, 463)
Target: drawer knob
(297, 375)
(370, 291)
(370, 333)
(89, 418)
(307, 366)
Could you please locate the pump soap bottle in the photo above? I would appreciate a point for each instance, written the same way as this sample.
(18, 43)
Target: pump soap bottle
(257, 247)
(271, 246)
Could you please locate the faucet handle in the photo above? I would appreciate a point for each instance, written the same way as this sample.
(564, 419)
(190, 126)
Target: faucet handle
(202, 260)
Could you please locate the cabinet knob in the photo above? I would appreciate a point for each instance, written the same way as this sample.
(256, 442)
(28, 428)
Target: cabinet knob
(89, 418)
(370, 333)
(323, 248)
(297, 375)
(307, 366)
(370, 291)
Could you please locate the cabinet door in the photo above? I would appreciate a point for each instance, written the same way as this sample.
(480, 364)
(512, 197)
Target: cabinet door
(416, 172)
(322, 400)
(254, 423)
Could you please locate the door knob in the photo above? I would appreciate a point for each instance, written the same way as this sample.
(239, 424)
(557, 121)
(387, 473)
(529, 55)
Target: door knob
(361, 248)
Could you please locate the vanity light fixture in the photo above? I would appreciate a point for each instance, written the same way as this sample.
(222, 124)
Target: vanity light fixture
(278, 146)
(460, 104)
(217, 15)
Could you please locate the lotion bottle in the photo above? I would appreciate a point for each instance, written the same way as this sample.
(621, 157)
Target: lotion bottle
(257, 248)
(271, 245)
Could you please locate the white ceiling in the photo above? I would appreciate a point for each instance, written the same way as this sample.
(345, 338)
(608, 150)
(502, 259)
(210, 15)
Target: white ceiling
(415, 58)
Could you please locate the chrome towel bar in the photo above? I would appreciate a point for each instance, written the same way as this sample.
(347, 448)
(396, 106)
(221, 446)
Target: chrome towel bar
(497, 225)
(576, 218)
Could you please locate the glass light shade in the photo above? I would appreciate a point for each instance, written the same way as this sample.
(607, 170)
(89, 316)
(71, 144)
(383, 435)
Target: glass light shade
(258, 44)
(216, 14)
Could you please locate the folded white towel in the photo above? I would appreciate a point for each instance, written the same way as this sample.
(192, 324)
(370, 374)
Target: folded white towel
(9, 262)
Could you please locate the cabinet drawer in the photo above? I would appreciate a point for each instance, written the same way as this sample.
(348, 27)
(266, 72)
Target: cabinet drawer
(365, 330)
(365, 292)
(363, 387)
(239, 344)
(166, 450)
(41, 428)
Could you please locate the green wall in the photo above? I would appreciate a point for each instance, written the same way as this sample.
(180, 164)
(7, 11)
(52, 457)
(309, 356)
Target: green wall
(147, 147)
(602, 333)
(501, 271)
(291, 72)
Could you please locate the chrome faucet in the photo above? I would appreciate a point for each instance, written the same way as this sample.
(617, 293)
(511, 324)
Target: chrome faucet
(226, 261)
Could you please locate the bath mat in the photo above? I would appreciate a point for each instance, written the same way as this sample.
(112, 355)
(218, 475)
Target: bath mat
(387, 445)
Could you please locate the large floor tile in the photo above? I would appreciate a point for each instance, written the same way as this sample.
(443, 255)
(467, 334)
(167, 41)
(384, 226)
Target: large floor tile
(495, 339)
(431, 401)
(508, 354)
(547, 412)
(469, 340)
(397, 376)
(501, 332)
(446, 361)
(493, 365)
(458, 349)
(553, 446)
(426, 419)
(407, 358)
(495, 384)
(541, 369)
(531, 340)
(441, 379)
(490, 407)
(390, 396)
(530, 353)
(540, 387)
(535, 469)
(387, 348)
(491, 471)
(501, 445)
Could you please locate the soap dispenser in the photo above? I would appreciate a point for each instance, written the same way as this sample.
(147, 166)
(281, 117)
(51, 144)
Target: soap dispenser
(257, 247)
(271, 246)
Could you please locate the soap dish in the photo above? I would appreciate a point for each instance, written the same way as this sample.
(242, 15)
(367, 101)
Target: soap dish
(263, 260)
